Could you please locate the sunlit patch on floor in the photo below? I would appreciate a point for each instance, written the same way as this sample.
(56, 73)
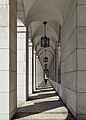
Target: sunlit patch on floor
(44, 104)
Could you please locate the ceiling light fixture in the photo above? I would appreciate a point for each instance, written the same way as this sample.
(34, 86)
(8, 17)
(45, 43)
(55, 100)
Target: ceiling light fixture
(45, 41)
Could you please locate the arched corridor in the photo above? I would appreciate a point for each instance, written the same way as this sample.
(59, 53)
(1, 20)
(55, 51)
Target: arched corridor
(44, 104)
(43, 40)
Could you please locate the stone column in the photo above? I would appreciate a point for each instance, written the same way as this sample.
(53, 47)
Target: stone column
(51, 70)
(37, 69)
(27, 62)
(33, 70)
(30, 68)
(22, 62)
(8, 59)
(54, 65)
(39, 72)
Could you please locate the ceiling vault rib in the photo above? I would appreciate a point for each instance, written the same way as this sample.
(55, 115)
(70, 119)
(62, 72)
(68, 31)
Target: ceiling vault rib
(33, 13)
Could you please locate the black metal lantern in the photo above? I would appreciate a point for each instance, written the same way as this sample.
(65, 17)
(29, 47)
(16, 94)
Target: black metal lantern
(46, 70)
(45, 41)
(45, 59)
(45, 65)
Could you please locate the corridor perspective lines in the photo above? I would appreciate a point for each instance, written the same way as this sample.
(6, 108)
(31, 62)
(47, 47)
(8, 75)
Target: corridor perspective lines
(44, 104)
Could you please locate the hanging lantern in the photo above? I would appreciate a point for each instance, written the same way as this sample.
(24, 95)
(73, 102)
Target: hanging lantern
(45, 41)
(45, 59)
(45, 65)
(46, 70)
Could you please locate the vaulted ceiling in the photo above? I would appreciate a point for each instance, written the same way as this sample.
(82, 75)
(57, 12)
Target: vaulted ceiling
(34, 12)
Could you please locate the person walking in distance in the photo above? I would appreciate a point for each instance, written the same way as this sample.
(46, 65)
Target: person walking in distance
(45, 79)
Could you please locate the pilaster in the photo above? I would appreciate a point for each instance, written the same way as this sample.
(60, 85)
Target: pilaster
(8, 59)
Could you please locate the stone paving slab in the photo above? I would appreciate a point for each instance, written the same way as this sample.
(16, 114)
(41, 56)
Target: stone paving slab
(44, 104)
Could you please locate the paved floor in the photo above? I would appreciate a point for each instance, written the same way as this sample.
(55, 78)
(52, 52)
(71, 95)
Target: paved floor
(44, 104)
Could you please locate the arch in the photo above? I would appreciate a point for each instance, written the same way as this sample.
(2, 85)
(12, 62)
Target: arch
(49, 53)
(41, 11)
(48, 49)
(39, 32)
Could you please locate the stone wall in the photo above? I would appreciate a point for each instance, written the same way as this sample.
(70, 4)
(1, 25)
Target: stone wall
(8, 59)
(81, 59)
(67, 88)
(73, 60)
(13, 57)
(68, 58)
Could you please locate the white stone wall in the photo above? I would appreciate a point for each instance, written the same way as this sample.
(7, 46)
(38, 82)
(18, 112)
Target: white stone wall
(67, 88)
(8, 59)
(68, 59)
(81, 59)
(22, 86)
(73, 60)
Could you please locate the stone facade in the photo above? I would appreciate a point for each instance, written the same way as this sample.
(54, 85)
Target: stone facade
(73, 60)
(81, 59)
(20, 69)
(8, 59)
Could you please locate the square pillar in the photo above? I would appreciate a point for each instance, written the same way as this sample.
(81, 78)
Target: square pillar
(33, 69)
(8, 59)
(30, 67)
(39, 72)
(22, 62)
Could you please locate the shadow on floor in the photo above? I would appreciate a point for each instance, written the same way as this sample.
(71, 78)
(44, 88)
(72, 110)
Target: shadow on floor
(43, 90)
(38, 108)
(46, 87)
(44, 101)
(42, 96)
(42, 84)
